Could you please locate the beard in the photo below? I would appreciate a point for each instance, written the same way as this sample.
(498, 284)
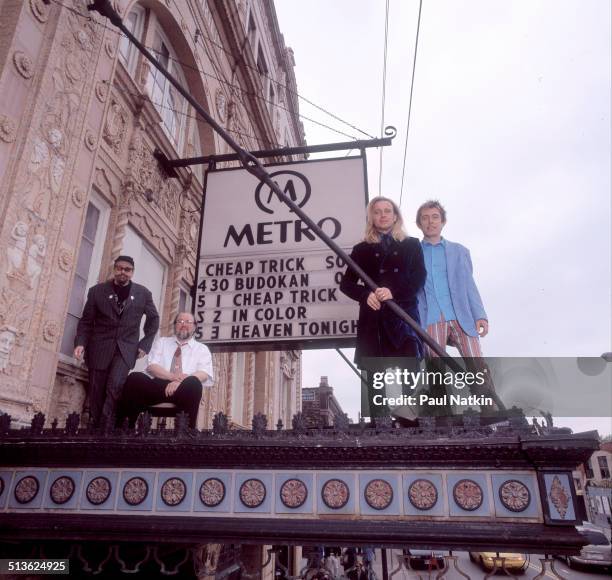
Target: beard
(184, 334)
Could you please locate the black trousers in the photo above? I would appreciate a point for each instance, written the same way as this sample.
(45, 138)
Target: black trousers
(142, 391)
(105, 387)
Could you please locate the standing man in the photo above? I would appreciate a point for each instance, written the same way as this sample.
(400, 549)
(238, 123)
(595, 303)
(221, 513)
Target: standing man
(178, 368)
(108, 335)
(450, 306)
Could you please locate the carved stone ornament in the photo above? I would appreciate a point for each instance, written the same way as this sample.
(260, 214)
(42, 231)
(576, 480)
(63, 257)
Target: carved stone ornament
(109, 46)
(221, 105)
(252, 493)
(90, 140)
(8, 129)
(23, 63)
(293, 493)
(378, 494)
(51, 331)
(422, 494)
(559, 497)
(26, 489)
(115, 126)
(135, 491)
(79, 197)
(64, 259)
(514, 495)
(173, 491)
(212, 492)
(335, 494)
(98, 490)
(62, 490)
(468, 495)
(101, 91)
(40, 10)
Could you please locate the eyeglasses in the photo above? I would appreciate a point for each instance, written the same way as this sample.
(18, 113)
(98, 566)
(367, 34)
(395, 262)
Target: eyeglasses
(181, 321)
(123, 268)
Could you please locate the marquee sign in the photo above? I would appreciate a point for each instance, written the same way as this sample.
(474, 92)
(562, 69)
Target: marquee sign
(264, 278)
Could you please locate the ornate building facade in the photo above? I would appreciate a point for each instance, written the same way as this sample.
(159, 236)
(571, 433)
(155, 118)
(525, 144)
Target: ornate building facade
(81, 114)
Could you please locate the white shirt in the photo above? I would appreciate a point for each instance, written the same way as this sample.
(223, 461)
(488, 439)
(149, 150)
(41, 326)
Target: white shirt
(195, 356)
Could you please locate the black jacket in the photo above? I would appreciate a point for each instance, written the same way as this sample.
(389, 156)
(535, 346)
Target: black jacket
(102, 329)
(401, 269)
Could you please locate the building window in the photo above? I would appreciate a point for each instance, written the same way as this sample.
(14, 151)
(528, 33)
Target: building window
(170, 104)
(252, 31)
(185, 299)
(588, 470)
(602, 460)
(87, 267)
(128, 53)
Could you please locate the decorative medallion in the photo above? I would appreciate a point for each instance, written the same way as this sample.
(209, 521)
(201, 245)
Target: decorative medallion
(98, 490)
(514, 495)
(101, 91)
(422, 494)
(173, 491)
(559, 497)
(40, 10)
(23, 63)
(79, 197)
(26, 489)
(252, 493)
(51, 331)
(90, 140)
(468, 494)
(64, 259)
(62, 489)
(293, 493)
(378, 494)
(8, 129)
(135, 491)
(212, 492)
(335, 494)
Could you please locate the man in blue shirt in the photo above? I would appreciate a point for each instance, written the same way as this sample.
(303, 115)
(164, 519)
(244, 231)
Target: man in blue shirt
(450, 306)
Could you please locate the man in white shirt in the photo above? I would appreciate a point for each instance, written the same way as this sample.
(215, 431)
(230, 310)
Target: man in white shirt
(178, 368)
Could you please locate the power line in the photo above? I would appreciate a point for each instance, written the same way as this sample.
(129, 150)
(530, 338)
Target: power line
(229, 84)
(416, 46)
(384, 92)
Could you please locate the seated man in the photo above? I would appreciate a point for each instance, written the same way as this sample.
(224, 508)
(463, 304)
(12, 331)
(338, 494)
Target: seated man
(178, 368)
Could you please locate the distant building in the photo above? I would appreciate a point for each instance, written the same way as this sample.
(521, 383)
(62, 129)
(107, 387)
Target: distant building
(593, 481)
(319, 405)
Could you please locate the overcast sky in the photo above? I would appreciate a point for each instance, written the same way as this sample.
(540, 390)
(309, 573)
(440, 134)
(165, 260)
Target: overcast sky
(510, 129)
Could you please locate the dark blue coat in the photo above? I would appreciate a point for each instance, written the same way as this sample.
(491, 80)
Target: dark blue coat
(401, 269)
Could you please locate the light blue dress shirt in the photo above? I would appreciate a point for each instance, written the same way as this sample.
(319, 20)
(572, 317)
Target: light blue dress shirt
(437, 292)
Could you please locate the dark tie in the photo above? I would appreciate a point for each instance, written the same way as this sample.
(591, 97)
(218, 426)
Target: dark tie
(177, 365)
(385, 240)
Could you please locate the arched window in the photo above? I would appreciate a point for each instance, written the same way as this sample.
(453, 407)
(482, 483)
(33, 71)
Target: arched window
(171, 105)
(128, 53)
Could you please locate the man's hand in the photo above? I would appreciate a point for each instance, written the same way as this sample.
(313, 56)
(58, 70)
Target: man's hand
(383, 294)
(373, 302)
(141, 353)
(482, 327)
(78, 353)
(171, 388)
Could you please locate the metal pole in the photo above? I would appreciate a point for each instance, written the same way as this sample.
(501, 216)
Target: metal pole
(254, 167)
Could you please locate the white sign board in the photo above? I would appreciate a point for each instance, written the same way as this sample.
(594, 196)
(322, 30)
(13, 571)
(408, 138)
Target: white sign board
(264, 278)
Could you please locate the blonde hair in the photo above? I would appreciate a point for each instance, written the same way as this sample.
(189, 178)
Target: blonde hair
(397, 233)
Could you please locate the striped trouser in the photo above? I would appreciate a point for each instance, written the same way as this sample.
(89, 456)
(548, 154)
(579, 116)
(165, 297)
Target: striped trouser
(449, 332)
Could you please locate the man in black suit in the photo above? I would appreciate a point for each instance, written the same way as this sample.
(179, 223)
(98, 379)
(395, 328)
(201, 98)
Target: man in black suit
(108, 335)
